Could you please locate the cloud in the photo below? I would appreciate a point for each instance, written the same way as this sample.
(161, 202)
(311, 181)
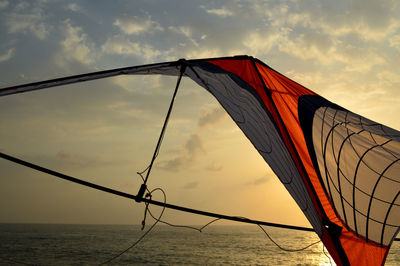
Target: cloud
(395, 42)
(327, 50)
(261, 42)
(214, 167)
(198, 53)
(191, 185)
(371, 20)
(137, 25)
(389, 83)
(186, 31)
(32, 22)
(310, 45)
(73, 7)
(358, 58)
(7, 55)
(310, 80)
(121, 46)
(258, 181)
(173, 165)
(238, 9)
(212, 37)
(194, 146)
(75, 46)
(79, 160)
(191, 149)
(3, 4)
(222, 12)
(211, 116)
(22, 5)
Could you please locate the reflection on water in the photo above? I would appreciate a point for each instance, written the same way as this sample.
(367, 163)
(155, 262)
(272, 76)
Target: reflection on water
(93, 244)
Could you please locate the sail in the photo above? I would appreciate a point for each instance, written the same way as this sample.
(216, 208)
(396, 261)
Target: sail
(342, 169)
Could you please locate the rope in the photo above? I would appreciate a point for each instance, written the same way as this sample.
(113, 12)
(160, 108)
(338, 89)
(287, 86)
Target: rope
(287, 249)
(182, 226)
(327, 255)
(147, 210)
(144, 235)
(161, 137)
(186, 226)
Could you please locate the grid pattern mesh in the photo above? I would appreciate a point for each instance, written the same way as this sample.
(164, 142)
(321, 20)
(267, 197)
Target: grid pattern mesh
(359, 161)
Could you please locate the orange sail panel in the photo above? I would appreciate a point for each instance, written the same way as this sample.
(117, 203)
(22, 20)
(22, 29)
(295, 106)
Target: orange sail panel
(346, 164)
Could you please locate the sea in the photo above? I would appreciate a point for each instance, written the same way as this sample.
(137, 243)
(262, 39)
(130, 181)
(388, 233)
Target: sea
(71, 244)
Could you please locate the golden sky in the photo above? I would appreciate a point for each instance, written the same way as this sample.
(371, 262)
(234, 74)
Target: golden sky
(105, 131)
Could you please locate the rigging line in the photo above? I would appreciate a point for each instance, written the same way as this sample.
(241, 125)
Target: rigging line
(183, 226)
(161, 137)
(147, 210)
(144, 234)
(327, 255)
(287, 249)
(130, 196)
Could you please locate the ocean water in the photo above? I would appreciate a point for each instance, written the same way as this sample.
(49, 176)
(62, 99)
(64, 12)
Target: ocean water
(56, 244)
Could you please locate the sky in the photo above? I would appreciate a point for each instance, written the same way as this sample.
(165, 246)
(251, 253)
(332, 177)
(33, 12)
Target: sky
(105, 131)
